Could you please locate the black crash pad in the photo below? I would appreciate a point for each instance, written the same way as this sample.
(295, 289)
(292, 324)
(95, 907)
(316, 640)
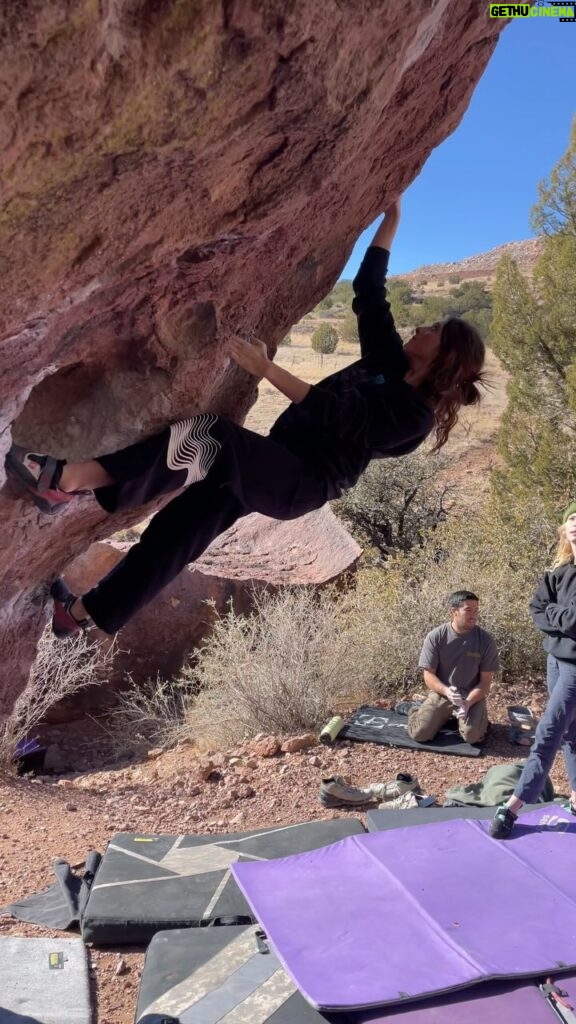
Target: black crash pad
(146, 883)
(377, 725)
(209, 974)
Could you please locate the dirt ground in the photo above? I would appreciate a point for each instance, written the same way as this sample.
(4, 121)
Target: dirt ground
(67, 815)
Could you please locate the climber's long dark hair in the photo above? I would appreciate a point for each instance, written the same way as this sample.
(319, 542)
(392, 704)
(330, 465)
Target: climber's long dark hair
(453, 377)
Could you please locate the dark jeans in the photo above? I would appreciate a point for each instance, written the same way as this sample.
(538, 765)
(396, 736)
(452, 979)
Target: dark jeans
(227, 472)
(556, 728)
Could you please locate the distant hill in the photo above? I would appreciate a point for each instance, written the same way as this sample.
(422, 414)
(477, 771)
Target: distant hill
(482, 265)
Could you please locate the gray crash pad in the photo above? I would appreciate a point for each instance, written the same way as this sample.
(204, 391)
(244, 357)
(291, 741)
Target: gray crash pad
(43, 981)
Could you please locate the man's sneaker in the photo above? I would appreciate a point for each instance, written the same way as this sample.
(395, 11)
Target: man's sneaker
(401, 803)
(40, 475)
(502, 823)
(334, 792)
(63, 622)
(403, 783)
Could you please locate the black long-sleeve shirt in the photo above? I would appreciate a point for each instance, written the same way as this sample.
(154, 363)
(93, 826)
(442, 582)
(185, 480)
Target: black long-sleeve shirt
(553, 610)
(365, 411)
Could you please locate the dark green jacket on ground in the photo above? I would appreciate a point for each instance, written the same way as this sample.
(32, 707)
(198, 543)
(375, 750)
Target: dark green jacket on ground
(496, 787)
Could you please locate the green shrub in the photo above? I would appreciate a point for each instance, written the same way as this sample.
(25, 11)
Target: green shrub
(396, 503)
(325, 339)
(348, 329)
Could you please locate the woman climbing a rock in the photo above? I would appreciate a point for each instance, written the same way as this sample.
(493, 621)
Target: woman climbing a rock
(382, 406)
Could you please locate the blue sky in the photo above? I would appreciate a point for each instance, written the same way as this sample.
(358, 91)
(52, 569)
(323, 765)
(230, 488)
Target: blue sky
(476, 189)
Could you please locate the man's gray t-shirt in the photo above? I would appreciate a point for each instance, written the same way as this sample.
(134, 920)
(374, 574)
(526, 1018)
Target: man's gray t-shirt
(459, 658)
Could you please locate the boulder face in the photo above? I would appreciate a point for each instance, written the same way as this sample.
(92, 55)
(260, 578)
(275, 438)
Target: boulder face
(174, 171)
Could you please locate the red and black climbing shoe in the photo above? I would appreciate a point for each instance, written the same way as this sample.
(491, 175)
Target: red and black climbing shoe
(40, 475)
(64, 623)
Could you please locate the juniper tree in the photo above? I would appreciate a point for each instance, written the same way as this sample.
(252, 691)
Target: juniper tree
(534, 335)
(324, 340)
(348, 329)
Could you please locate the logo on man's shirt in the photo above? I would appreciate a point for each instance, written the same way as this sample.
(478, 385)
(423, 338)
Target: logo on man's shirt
(473, 654)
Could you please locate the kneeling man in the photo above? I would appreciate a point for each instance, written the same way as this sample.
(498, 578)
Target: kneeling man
(459, 660)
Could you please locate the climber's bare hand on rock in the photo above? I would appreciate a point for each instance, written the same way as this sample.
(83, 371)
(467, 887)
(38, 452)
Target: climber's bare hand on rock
(251, 356)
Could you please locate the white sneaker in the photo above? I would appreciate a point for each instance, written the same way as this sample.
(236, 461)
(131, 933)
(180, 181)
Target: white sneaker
(401, 803)
(403, 783)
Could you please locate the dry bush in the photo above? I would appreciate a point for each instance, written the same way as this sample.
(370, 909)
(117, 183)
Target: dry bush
(282, 669)
(61, 669)
(149, 715)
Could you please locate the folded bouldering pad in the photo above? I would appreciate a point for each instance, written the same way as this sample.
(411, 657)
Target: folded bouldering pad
(147, 883)
(393, 916)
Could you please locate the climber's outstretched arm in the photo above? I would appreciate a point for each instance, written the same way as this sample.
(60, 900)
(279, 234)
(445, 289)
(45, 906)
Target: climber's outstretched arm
(388, 226)
(254, 358)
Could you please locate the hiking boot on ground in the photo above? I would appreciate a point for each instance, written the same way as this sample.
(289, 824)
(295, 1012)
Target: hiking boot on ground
(401, 784)
(334, 792)
(64, 624)
(40, 475)
(502, 823)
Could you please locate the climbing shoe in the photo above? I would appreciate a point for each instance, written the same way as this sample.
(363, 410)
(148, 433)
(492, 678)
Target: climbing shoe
(64, 624)
(40, 475)
(502, 823)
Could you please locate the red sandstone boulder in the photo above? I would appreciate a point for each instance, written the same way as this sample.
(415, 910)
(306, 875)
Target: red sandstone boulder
(173, 172)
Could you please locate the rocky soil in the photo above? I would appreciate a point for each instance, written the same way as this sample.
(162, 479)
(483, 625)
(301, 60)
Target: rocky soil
(96, 790)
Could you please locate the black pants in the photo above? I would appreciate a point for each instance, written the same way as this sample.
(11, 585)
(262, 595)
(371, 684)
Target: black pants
(226, 471)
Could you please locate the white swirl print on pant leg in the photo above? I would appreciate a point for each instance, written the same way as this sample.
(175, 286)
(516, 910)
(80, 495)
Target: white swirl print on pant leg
(192, 447)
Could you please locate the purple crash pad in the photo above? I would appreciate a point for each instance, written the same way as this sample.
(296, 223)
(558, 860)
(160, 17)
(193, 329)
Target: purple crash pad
(495, 1002)
(490, 1003)
(381, 918)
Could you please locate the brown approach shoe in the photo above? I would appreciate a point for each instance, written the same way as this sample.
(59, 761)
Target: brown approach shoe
(334, 792)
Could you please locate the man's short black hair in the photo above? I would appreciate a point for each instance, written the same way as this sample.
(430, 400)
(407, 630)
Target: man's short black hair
(459, 597)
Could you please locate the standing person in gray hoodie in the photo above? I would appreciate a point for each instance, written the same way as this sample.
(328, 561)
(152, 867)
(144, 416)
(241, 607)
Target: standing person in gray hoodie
(553, 610)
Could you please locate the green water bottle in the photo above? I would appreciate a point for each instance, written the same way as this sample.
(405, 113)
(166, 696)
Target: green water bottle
(331, 730)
